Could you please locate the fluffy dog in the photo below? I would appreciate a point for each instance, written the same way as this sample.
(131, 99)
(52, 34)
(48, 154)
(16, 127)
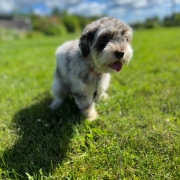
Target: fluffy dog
(84, 65)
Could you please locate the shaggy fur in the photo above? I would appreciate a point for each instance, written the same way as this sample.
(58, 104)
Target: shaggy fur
(84, 65)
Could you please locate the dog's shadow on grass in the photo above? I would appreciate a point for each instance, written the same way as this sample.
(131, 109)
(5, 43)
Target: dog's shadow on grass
(44, 137)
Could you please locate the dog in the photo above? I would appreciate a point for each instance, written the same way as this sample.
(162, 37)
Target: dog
(84, 66)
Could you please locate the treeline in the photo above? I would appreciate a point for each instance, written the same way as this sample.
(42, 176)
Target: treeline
(60, 23)
(173, 20)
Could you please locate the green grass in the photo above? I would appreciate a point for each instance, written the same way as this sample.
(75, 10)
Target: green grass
(138, 131)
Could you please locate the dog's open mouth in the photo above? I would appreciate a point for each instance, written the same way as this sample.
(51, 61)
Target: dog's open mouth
(117, 66)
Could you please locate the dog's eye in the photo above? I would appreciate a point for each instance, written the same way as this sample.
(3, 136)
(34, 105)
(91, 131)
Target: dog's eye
(102, 42)
(104, 39)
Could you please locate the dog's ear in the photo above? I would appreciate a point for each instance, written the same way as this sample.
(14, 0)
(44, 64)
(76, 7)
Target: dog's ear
(86, 40)
(128, 33)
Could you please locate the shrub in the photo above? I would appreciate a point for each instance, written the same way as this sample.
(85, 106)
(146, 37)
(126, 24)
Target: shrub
(49, 25)
(72, 23)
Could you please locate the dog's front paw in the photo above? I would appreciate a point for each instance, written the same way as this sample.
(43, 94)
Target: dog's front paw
(104, 96)
(90, 113)
(92, 116)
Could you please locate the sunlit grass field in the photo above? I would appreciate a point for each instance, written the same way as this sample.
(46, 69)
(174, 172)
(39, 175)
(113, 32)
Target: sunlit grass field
(137, 135)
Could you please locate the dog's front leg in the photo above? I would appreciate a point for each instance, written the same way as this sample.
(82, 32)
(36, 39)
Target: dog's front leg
(102, 87)
(87, 106)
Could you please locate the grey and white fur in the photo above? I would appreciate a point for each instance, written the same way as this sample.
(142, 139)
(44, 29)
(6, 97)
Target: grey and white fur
(84, 66)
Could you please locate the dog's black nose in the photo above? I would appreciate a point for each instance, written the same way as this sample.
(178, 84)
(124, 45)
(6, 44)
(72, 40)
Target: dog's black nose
(119, 54)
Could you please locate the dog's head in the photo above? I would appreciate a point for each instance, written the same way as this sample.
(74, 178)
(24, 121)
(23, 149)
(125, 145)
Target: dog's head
(107, 42)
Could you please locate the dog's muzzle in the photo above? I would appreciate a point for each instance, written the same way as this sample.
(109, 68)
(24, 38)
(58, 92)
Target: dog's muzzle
(117, 66)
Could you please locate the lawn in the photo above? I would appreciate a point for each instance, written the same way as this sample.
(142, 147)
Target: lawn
(137, 135)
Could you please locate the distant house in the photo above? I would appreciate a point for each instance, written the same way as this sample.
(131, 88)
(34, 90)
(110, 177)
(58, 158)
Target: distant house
(10, 22)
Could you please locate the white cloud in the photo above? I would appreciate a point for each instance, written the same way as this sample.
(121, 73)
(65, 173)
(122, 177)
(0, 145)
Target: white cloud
(6, 6)
(62, 4)
(122, 2)
(141, 4)
(117, 12)
(88, 9)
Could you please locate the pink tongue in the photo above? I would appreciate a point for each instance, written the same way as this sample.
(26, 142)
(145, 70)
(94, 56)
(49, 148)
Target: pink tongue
(116, 66)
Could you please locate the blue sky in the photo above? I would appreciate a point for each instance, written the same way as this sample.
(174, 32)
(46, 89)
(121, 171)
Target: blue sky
(126, 10)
